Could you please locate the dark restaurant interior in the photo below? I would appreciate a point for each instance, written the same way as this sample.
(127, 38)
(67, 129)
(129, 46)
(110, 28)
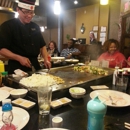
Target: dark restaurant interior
(103, 105)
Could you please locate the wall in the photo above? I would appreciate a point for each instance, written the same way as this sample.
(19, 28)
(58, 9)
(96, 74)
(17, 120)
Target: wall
(114, 19)
(89, 16)
(93, 15)
(69, 24)
(4, 17)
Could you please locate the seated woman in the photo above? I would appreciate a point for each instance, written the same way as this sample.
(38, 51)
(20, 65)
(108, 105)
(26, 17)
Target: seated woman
(112, 54)
(52, 49)
(70, 51)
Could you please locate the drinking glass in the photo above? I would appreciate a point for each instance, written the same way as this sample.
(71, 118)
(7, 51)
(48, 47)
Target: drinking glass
(44, 99)
(55, 54)
(121, 83)
(86, 60)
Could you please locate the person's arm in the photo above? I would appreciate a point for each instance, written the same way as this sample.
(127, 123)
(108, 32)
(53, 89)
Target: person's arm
(10, 55)
(45, 56)
(76, 52)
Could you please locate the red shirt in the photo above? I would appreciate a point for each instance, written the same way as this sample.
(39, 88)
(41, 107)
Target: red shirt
(113, 59)
(128, 60)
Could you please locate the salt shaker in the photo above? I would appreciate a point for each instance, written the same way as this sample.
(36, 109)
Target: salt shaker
(7, 116)
(96, 112)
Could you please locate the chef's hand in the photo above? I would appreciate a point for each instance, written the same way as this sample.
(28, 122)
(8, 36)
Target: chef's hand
(47, 64)
(25, 61)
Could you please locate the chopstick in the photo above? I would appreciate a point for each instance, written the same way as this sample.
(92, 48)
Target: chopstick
(127, 125)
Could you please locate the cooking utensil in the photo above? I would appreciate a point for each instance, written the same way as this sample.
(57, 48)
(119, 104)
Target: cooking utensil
(112, 100)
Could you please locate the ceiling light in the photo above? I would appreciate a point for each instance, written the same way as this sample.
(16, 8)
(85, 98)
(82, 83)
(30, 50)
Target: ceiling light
(103, 2)
(75, 2)
(57, 8)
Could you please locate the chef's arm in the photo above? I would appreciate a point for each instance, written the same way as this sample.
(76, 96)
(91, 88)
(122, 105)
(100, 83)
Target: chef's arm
(10, 55)
(44, 54)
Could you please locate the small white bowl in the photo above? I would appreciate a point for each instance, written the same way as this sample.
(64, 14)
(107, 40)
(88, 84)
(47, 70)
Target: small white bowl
(57, 122)
(77, 92)
(18, 93)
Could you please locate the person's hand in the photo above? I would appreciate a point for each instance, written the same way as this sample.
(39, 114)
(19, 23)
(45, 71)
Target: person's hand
(47, 64)
(25, 61)
(69, 56)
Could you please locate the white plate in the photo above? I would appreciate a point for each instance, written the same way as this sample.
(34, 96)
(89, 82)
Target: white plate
(121, 99)
(4, 94)
(72, 60)
(57, 58)
(128, 69)
(21, 117)
(54, 129)
(6, 88)
(81, 64)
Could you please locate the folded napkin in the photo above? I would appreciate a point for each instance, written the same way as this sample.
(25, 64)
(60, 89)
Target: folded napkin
(99, 87)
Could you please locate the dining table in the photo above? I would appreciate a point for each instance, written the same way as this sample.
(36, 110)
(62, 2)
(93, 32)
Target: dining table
(75, 115)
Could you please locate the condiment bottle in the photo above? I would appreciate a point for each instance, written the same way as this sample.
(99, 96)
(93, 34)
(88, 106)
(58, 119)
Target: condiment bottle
(96, 112)
(4, 77)
(115, 75)
(2, 67)
(7, 116)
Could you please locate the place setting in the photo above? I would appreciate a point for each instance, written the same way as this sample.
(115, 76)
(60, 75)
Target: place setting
(112, 98)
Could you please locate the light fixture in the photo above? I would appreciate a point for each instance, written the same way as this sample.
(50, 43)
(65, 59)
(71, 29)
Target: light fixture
(82, 29)
(75, 2)
(57, 8)
(103, 2)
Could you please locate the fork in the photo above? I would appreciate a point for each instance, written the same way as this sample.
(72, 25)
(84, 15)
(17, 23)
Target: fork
(112, 100)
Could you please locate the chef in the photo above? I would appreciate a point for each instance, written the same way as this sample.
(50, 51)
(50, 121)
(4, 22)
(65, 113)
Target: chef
(21, 40)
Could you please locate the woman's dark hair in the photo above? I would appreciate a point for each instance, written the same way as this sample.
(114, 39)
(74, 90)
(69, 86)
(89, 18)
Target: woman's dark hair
(108, 42)
(54, 43)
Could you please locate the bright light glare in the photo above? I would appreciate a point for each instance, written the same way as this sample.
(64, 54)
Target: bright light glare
(57, 8)
(103, 2)
(16, 15)
(75, 2)
(42, 29)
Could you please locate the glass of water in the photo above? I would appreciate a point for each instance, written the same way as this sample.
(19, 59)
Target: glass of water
(44, 99)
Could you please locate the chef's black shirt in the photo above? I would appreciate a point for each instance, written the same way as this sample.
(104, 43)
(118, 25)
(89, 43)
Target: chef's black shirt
(25, 40)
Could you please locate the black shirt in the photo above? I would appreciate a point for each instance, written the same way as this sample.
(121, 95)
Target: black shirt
(25, 40)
